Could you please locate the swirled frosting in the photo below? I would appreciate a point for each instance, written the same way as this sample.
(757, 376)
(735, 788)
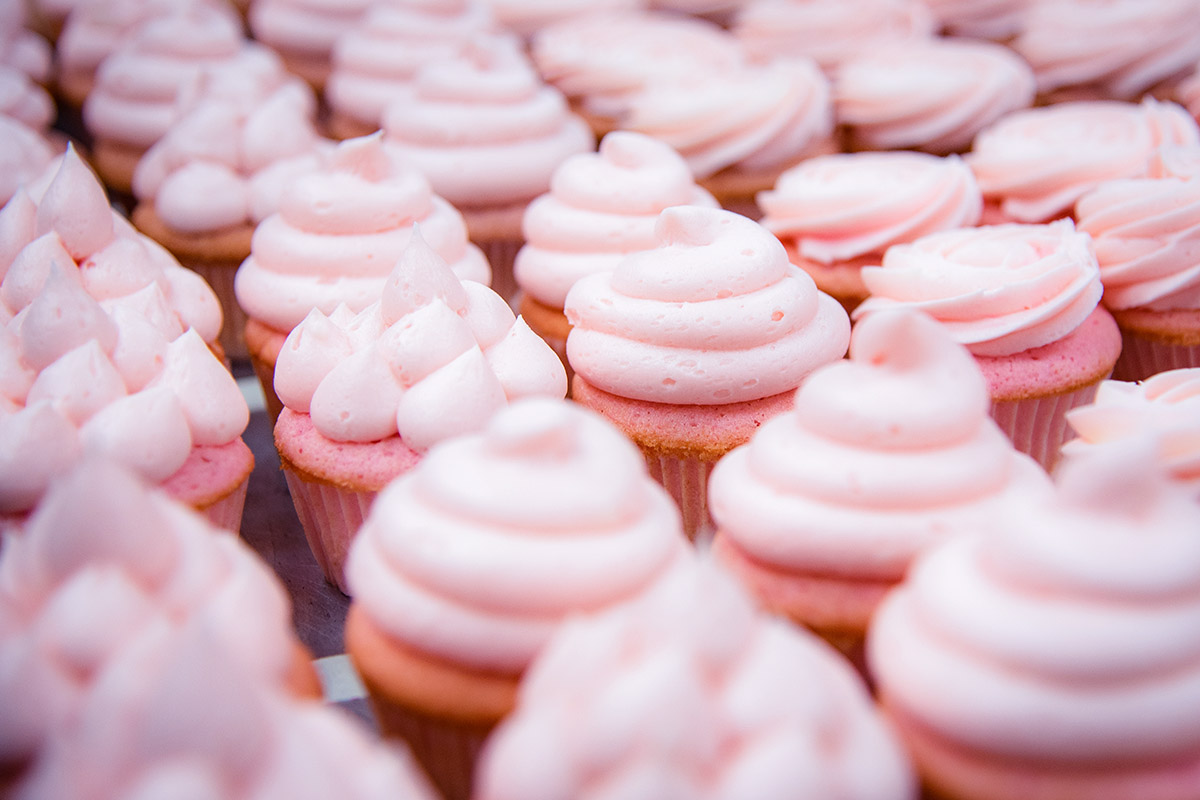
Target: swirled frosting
(432, 358)
(1036, 163)
(756, 117)
(883, 456)
(687, 692)
(479, 552)
(929, 94)
(23, 100)
(102, 562)
(1122, 47)
(484, 128)
(1165, 405)
(1064, 638)
(340, 230)
(998, 289)
(1146, 232)
(527, 17)
(24, 154)
(843, 206)
(713, 314)
(828, 33)
(600, 207)
(982, 19)
(20, 47)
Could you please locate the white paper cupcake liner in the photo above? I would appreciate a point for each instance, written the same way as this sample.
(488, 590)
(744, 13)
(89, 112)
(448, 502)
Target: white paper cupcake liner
(1142, 358)
(227, 512)
(446, 750)
(1038, 426)
(330, 516)
(686, 480)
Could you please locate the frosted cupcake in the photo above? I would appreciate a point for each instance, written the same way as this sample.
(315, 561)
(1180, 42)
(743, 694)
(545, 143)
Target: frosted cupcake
(339, 231)
(688, 692)
(488, 134)
(883, 457)
(367, 394)
(303, 33)
(689, 347)
(600, 207)
(836, 214)
(1024, 299)
(467, 565)
(1016, 663)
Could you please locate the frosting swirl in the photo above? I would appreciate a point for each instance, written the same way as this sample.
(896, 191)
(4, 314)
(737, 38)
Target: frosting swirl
(24, 154)
(20, 47)
(981, 19)
(843, 206)
(340, 230)
(1036, 163)
(929, 94)
(22, 99)
(998, 289)
(476, 554)
(600, 207)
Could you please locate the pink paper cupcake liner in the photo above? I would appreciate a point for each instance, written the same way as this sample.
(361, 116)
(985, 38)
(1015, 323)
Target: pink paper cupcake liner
(227, 512)
(1038, 426)
(686, 480)
(447, 750)
(1142, 358)
(330, 516)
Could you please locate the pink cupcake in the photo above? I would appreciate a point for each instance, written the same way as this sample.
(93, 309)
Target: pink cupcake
(1054, 654)
(304, 33)
(367, 394)
(689, 347)
(687, 692)
(1024, 299)
(836, 214)
(468, 564)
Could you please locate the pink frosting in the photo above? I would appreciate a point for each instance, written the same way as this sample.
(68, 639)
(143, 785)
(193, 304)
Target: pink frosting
(339, 231)
(527, 17)
(600, 207)
(1166, 405)
(843, 206)
(688, 692)
(1036, 163)
(307, 28)
(103, 562)
(756, 117)
(23, 100)
(25, 153)
(1122, 47)
(883, 456)
(1187, 93)
(828, 33)
(714, 314)
(385, 50)
(477, 554)
(1146, 232)
(998, 289)
(484, 128)
(431, 359)
(984, 19)
(933, 94)
(22, 48)
(1067, 634)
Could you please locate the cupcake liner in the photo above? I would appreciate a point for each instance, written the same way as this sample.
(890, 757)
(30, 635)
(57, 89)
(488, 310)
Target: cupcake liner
(220, 278)
(447, 750)
(227, 512)
(330, 516)
(1038, 426)
(501, 253)
(1142, 358)
(265, 370)
(686, 480)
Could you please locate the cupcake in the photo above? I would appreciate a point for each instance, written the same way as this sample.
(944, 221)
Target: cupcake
(1146, 232)
(600, 207)
(337, 235)
(690, 346)
(1024, 299)
(883, 457)
(687, 692)
(836, 214)
(468, 563)
(1054, 654)
(930, 94)
(488, 134)
(1033, 165)
(367, 394)
(104, 562)
(999, 20)
(303, 33)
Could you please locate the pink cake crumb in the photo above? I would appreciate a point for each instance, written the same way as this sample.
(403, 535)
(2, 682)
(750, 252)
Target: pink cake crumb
(353, 465)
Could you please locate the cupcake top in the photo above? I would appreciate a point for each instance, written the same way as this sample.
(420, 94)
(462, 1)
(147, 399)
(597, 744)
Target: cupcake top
(1063, 629)
(928, 94)
(25, 153)
(980, 19)
(713, 314)
(102, 562)
(23, 100)
(484, 128)
(600, 207)
(20, 47)
(828, 33)
(998, 289)
(883, 456)
(478, 553)
(174, 716)
(1122, 48)
(431, 359)
(688, 692)
(845, 206)
(1036, 163)
(1166, 405)
(227, 161)
(527, 17)
(339, 231)
(1146, 232)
